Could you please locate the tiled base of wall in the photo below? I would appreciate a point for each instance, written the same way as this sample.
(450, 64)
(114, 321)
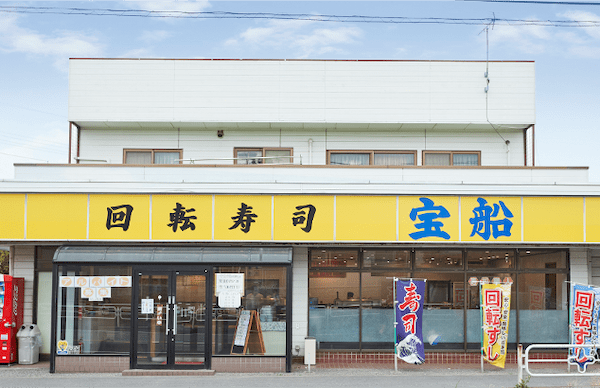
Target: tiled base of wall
(248, 364)
(92, 364)
(385, 360)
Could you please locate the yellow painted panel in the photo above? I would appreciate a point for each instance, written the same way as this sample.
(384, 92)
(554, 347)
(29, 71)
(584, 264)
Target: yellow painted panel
(12, 208)
(303, 218)
(592, 219)
(365, 218)
(56, 216)
(428, 218)
(242, 217)
(181, 217)
(491, 218)
(119, 217)
(553, 219)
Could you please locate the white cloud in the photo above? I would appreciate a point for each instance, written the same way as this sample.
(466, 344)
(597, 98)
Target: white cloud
(61, 44)
(529, 39)
(584, 17)
(298, 35)
(138, 53)
(49, 147)
(585, 52)
(169, 5)
(155, 36)
(583, 42)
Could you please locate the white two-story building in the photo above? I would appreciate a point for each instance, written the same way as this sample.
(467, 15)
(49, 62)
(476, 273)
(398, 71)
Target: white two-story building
(215, 213)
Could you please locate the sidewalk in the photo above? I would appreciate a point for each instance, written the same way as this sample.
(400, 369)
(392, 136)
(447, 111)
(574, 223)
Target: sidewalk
(450, 376)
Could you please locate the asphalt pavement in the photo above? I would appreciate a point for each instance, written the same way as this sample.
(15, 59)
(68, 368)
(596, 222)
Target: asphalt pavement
(38, 376)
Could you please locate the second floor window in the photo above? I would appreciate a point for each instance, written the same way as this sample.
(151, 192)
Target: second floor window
(152, 156)
(451, 158)
(376, 158)
(263, 155)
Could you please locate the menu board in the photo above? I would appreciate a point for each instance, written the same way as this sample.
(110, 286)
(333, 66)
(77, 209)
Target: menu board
(248, 334)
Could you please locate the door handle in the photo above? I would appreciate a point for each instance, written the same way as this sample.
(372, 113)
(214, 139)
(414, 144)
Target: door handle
(167, 306)
(174, 317)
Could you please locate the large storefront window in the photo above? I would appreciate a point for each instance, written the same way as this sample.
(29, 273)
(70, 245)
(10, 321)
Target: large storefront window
(94, 310)
(264, 297)
(378, 308)
(351, 298)
(444, 303)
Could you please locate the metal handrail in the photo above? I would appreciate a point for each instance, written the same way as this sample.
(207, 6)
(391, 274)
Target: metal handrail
(524, 360)
(260, 158)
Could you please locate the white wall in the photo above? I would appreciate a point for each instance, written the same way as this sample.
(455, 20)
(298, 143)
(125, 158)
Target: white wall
(167, 90)
(299, 298)
(108, 144)
(595, 266)
(22, 262)
(580, 265)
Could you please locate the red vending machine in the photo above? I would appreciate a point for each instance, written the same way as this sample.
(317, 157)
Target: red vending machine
(12, 291)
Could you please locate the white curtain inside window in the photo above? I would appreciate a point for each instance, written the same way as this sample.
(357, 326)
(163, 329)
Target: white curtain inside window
(436, 159)
(349, 159)
(465, 159)
(138, 157)
(281, 157)
(386, 159)
(161, 157)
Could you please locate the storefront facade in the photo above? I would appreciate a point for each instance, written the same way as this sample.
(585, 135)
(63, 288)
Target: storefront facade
(157, 304)
(160, 308)
(217, 213)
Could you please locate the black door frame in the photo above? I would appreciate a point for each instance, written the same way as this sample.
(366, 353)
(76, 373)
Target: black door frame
(172, 271)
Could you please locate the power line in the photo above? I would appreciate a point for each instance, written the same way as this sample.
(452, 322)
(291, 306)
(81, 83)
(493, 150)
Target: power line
(24, 157)
(296, 16)
(539, 2)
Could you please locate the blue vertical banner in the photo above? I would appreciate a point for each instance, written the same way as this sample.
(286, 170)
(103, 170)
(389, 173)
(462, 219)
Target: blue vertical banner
(585, 307)
(410, 295)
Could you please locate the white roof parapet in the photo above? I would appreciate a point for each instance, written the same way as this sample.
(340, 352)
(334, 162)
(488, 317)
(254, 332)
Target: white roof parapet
(263, 179)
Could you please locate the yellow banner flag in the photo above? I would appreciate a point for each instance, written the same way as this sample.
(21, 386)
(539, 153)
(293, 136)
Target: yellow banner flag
(495, 310)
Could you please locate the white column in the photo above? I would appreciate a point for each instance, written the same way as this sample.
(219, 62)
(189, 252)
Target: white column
(299, 298)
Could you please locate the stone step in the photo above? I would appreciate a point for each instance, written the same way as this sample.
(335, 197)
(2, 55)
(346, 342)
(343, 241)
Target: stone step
(168, 372)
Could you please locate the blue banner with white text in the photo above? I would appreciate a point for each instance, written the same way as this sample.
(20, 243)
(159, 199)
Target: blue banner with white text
(585, 307)
(410, 295)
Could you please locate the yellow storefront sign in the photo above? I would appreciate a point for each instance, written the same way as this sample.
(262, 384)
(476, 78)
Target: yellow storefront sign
(306, 218)
(119, 217)
(365, 218)
(303, 218)
(243, 217)
(427, 219)
(181, 217)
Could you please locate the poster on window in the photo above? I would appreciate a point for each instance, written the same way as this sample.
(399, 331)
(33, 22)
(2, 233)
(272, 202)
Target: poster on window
(585, 306)
(495, 312)
(409, 321)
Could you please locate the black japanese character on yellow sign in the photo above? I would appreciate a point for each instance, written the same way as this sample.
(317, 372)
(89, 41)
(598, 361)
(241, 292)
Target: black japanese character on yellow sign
(179, 217)
(119, 217)
(244, 218)
(303, 218)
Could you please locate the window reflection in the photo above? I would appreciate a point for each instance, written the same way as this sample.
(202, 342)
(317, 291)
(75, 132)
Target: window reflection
(323, 258)
(265, 296)
(439, 259)
(490, 258)
(334, 316)
(94, 327)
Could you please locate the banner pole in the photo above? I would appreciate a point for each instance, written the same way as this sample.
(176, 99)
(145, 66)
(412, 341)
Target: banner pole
(481, 321)
(571, 350)
(395, 332)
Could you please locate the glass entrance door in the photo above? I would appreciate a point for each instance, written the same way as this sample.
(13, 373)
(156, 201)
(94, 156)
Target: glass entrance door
(170, 327)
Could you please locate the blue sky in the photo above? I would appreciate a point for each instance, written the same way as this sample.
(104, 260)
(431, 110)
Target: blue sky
(34, 52)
